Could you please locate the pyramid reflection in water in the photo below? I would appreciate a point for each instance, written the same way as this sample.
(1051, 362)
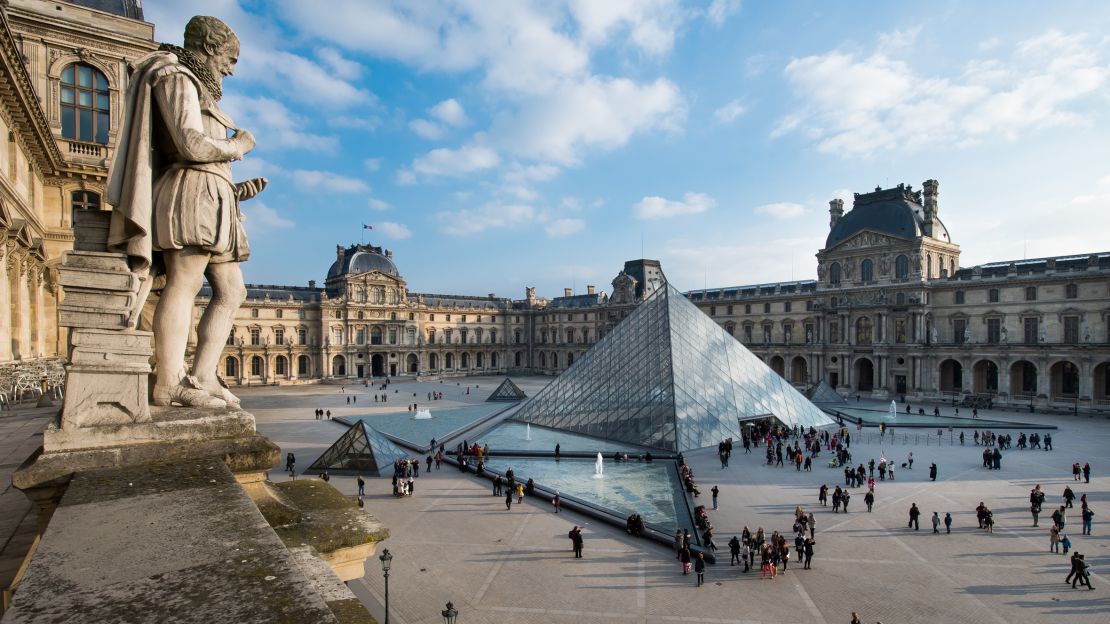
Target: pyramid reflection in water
(668, 377)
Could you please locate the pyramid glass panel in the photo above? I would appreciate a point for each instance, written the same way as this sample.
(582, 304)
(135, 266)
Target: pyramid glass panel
(669, 377)
(507, 391)
(361, 449)
(823, 393)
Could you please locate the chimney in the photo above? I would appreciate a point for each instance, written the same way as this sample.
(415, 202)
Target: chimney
(836, 210)
(590, 289)
(312, 283)
(930, 199)
(339, 253)
(567, 292)
(389, 253)
(530, 295)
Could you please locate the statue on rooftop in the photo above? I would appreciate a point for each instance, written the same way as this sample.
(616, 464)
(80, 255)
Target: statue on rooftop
(176, 209)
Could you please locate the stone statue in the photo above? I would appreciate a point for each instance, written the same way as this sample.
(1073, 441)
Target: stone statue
(884, 264)
(177, 209)
(933, 334)
(916, 262)
(1003, 336)
(1043, 335)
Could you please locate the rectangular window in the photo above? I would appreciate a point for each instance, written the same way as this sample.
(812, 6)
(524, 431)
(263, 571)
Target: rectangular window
(254, 312)
(231, 337)
(392, 336)
(279, 313)
(730, 310)
(959, 331)
(994, 331)
(834, 332)
(279, 336)
(463, 318)
(431, 317)
(302, 336)
(1071, 329)
(1031, 293)
(1071, 291)
(766, 308)
(1030, 326)
(959, 297)
(360, 335)
(256, 336)
(712, 310)
(788, 306)
(747, 334)
(992, 295)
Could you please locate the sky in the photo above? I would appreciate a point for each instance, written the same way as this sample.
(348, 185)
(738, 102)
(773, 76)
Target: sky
(495, 145)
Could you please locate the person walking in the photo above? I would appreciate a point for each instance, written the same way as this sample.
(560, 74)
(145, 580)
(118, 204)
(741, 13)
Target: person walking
(684, 559)
(509, 499)
(947, 522)
(361, 486)
(869, 499)
(1054, 539)
(715, 491)
(812, 524)
(699, 569)
(909, 461)
(1065, 541)
(808, 546)
(519, 492)
(1069, 497)
(823, 494)
(915, 513)
(932, 472)
(1088, 519)
(1082, 572)
(734, 550)
(678, 541)
(1087, 472)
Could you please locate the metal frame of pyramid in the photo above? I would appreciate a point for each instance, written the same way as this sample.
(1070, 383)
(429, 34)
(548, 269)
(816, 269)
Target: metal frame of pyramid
(824, 394)
(507, 391)
(669, 377)
(361, 449)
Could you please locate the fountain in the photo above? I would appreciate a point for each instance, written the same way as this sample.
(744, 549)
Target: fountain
(599, 467)
(528, 432)
(423, 414)
(893, 410)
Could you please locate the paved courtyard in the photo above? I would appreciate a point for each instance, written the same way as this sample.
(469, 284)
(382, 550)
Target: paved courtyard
(453, 541)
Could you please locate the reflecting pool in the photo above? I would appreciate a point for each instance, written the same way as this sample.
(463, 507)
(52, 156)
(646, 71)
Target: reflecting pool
(650, 489)
(420, 431)
(512, 435)
(874, 417)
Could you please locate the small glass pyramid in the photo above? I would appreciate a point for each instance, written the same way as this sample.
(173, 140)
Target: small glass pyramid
(668, 377)
(825, 394)
(507, 391)
(361, 449)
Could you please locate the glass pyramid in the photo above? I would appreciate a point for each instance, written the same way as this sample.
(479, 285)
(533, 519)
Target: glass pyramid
(507, 391)
(825, 394)
(361, 449)
(668, 377)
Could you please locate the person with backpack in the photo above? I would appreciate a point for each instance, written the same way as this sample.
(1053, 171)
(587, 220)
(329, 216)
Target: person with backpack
(575, 536)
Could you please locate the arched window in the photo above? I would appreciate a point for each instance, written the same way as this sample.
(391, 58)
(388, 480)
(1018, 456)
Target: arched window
(84, 97)
(303, 365)
(867, 271)
(834, 273)
(901, 267)
(279, 365)
(231, 368)
(928, 266)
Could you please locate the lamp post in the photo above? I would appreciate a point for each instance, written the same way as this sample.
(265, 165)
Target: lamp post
(450, 614)
(387, 560)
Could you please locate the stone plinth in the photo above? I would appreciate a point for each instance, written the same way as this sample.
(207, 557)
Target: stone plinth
(174, 541)
(106, 381)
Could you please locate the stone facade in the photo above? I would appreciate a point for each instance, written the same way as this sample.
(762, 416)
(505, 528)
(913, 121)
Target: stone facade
(365, 323)
(894, 314)
(60, 132)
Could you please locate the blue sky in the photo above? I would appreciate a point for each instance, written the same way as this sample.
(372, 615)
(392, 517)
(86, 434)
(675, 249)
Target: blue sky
(497, 145)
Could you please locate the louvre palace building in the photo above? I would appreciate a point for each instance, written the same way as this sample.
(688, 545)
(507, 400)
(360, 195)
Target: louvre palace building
(892, 314)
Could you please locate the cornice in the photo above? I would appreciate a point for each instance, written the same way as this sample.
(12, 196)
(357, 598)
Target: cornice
(19, 94)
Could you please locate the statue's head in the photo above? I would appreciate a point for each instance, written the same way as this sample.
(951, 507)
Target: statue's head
(215, 42)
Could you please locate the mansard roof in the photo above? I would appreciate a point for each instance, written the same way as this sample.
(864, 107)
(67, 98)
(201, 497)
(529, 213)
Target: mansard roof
(896, 211)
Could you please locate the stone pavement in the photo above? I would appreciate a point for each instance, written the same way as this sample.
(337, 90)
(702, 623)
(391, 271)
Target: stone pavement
(20, 434)
(453, 541)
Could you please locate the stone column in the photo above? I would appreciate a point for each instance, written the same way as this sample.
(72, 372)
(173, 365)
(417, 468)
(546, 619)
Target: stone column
(38, 325)
(24, 302)
(5, 301)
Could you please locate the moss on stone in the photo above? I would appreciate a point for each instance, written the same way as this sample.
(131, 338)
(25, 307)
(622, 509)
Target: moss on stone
(330, 521)
(350, 611)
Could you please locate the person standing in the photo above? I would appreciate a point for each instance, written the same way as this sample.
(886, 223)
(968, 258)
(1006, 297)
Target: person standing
(909, 461)
(361, 486)
(1087, 472)
(914, 514)
(699, 569)
(948, 522)
(576, 541)
(812, 524)
(519, 493)
(684, 559)
(1088, 519)
(678, 541)
(808, 546)
(932, 472)
(936, 522)
(715, 492)
(869, 499)
(734, 550)
(555, 502)
(823, 494)
(1054, 539)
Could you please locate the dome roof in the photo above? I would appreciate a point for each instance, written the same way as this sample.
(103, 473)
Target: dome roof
(362, 259)
(895, 211)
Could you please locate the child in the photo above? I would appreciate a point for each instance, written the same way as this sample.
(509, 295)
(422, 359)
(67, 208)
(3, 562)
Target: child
(1066, 543)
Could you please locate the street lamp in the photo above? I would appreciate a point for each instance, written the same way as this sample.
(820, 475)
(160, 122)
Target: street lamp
(449, 614)
(387, 560)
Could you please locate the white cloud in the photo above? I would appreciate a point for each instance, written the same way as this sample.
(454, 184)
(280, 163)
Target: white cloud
(449, 112)
(654, 207)
(370, 122)
(898, 39)
(426, 129)
(274, 125)
(394, 230)
(720, 10)
(259, 214)
(859, 106)
(372, 164)
(564, 227)
(327, 181)
(729, 112)
(1104, 180)
(451, 162)
(470, 221)
(340, 66)
(650, 25)
(378, 204)
(781, 210)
